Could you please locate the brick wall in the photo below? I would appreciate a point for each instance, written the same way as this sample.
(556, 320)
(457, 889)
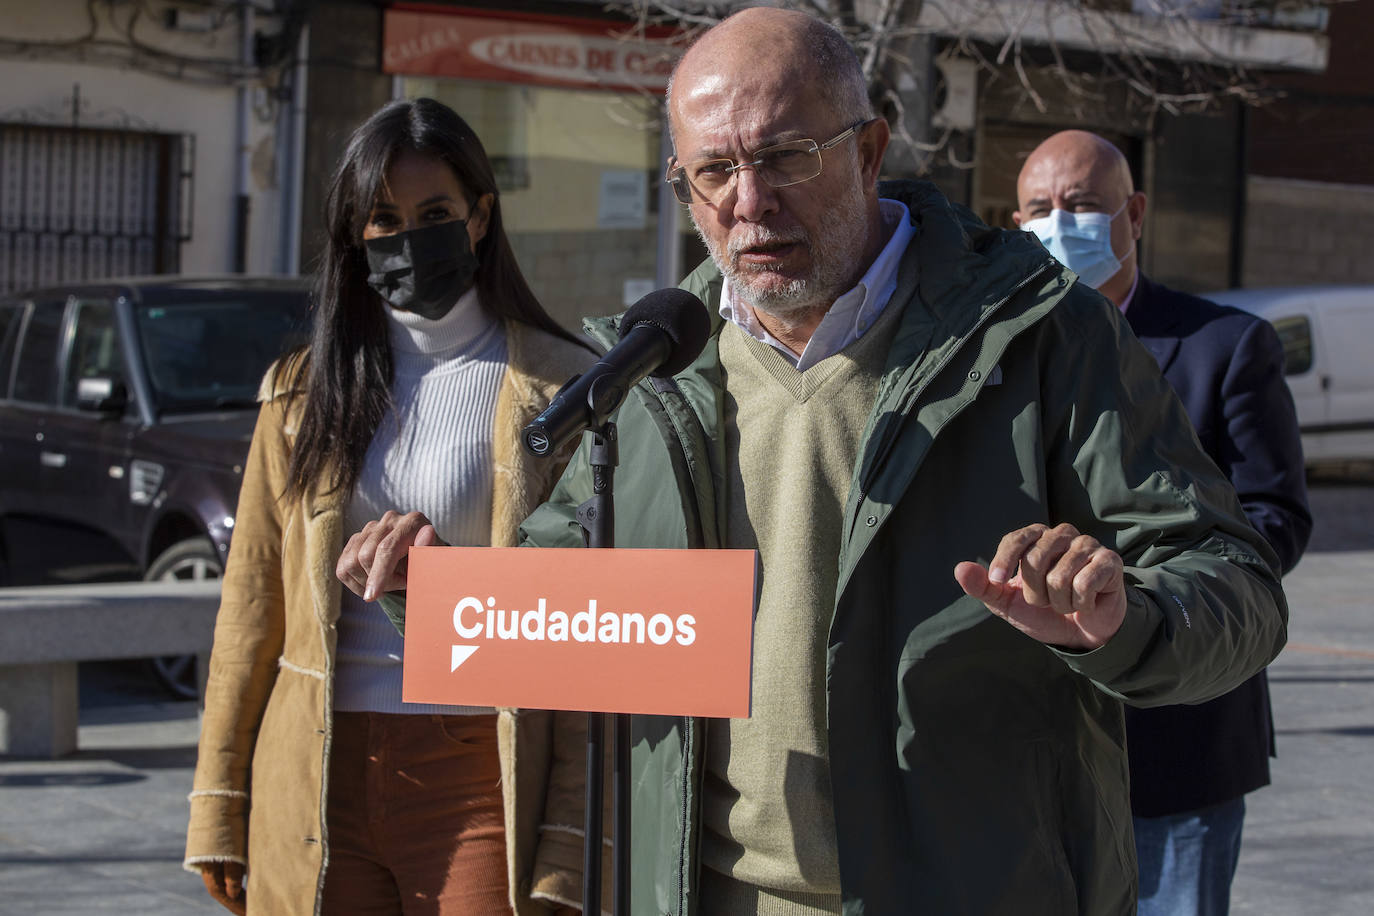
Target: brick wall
(1305, 232)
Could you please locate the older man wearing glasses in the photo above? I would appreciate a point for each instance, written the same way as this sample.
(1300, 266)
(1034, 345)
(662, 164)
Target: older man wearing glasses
(894, 388)
(982, 522)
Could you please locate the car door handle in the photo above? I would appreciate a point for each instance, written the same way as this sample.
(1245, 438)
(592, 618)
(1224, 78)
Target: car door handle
(52, 459)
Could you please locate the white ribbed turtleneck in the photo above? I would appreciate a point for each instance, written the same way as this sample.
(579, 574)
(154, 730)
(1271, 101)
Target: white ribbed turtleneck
(432, 453)
(417, 340)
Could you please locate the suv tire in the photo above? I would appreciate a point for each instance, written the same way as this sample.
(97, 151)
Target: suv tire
(189, 560)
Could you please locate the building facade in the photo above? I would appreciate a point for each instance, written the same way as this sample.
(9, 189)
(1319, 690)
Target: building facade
(1309, 211)
(569, 105)
(1171, 82)
(140, 138)
(198, 138)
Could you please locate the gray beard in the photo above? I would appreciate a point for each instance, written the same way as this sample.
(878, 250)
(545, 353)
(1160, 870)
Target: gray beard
(833, 263)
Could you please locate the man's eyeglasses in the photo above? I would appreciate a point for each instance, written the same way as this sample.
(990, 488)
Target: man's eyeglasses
(777, 166)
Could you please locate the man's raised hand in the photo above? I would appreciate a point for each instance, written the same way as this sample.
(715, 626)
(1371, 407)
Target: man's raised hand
(1056, 585)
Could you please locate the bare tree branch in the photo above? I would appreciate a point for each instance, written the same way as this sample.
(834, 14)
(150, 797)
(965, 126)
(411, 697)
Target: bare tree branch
(1060, 56)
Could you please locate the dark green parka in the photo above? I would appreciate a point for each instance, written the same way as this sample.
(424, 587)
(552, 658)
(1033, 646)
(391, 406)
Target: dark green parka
(974, 770)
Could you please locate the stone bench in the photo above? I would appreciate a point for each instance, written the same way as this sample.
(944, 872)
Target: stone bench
(46, 630)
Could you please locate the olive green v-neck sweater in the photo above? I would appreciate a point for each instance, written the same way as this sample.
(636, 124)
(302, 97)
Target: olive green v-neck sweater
(792, 442)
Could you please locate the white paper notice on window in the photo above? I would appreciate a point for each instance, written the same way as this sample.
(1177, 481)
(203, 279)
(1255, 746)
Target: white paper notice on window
(624, 201)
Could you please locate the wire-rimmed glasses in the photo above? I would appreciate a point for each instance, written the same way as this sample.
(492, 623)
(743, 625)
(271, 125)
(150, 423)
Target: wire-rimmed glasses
(777, 166)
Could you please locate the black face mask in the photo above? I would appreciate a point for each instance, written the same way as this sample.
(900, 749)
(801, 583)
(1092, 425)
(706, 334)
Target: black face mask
(423, 270)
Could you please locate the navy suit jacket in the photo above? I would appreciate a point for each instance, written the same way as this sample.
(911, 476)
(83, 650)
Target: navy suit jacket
(1227, 367)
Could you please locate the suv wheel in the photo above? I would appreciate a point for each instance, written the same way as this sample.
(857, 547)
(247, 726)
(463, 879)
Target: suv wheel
(190, 560)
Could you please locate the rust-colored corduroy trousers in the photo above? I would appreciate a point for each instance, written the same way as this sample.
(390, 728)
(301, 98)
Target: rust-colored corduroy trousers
(415, 817)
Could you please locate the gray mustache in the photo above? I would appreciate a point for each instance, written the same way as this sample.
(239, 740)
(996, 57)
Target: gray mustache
(765, 237)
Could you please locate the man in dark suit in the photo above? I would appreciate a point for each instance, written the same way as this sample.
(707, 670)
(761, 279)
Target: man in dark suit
(1190, 765)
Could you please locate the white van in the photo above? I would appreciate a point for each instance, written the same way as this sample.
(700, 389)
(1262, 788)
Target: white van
(1328, 345)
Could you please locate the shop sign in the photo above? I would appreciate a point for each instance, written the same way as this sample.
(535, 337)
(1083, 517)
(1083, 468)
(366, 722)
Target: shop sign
(546, 51)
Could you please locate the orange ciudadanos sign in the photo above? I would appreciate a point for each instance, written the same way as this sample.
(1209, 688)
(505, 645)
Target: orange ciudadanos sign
(665, 632)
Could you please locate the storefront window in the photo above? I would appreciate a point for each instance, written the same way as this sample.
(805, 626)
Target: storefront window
(579, 173)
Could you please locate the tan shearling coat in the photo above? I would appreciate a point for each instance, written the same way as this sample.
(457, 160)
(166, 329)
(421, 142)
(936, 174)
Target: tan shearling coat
(261, 777)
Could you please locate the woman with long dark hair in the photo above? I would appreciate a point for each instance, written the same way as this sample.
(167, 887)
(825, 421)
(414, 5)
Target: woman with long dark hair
(429, 354)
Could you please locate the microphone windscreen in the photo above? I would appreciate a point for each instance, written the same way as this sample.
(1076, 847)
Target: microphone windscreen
(680, 315)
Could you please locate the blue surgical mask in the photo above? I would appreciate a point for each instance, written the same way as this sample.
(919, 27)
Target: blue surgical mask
(1082, 242)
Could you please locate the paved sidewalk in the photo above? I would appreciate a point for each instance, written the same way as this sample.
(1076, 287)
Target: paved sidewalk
(101, 831)
(1308, 846)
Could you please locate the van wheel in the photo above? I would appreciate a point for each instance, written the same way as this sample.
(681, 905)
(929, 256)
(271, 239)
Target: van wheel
(191, 560)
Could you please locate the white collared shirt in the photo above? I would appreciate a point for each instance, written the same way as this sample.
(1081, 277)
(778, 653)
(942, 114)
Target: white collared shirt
(1130, 294)
(852, 313)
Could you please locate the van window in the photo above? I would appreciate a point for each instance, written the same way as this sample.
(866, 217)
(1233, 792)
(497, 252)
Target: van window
(1295, 332)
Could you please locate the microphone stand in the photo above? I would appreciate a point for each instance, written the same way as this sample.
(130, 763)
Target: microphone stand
(597, 518)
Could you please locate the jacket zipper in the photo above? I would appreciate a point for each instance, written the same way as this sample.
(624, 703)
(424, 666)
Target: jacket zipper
(682, 858)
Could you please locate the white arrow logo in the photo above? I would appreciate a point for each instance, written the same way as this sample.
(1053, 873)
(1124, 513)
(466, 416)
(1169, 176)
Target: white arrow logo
(460, 655)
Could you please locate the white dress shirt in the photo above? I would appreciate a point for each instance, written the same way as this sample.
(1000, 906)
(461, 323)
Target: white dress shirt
(852, 313)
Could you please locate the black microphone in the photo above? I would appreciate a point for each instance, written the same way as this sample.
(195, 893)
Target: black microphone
(660, 335)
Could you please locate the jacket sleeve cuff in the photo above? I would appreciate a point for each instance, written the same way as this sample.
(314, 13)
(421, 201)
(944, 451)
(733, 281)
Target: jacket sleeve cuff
(1120, 654)
(218, 830)
(558, 868)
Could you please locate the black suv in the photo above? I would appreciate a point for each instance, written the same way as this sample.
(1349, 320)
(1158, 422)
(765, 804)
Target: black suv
(126, 409)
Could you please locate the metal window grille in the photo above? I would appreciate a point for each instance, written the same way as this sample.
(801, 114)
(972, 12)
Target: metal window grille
(84, 204)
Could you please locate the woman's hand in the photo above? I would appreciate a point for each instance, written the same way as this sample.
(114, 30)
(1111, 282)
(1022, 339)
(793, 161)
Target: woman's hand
(224, 881)
(374, 560)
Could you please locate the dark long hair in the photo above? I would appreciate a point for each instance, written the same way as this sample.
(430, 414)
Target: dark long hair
(345, 374)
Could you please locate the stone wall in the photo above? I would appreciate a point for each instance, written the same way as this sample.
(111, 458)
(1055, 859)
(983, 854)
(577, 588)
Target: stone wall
(584, 273)
(1306, 232)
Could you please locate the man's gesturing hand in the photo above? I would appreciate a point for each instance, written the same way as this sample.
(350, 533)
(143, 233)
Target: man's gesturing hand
(374, 560)
(1069, 590)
